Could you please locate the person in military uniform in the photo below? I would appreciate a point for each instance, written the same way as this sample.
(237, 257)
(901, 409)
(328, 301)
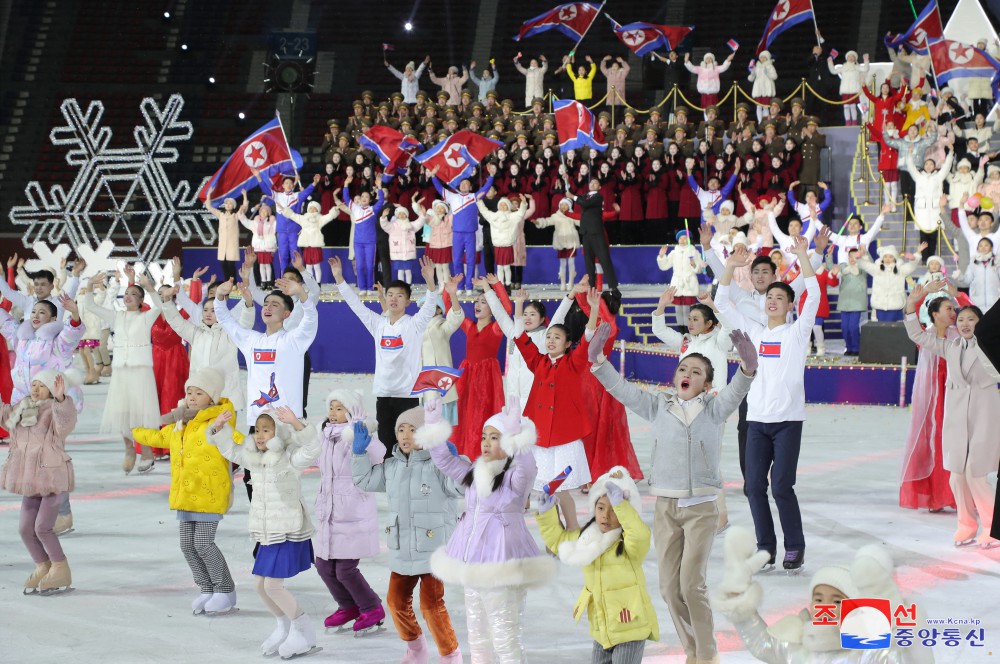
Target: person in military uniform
(354, 122)
(683, 143)
(812, 142)
(368, 101)
(742, 120)
(797, 120)
(330, 139)
(655, 121)
(711, 119)
(715, 143)
(652, 145)
(775, 116)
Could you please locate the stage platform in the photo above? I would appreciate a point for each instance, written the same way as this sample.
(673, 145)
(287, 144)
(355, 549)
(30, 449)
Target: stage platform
(344, 345)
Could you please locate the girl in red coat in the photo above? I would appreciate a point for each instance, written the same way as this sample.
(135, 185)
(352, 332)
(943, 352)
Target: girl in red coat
(631, 215)
(170, 364)
(480, 387)
(888, 162)
(657, 208)
(609, 443)
(558, 409)
(689, 207)
(884, 105)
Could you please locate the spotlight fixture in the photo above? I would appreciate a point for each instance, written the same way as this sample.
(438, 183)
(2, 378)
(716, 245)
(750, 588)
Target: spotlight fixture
(184, 47)
(166, 14)
(241, 115)
(211, 80)
(289, 73)
(408, 26)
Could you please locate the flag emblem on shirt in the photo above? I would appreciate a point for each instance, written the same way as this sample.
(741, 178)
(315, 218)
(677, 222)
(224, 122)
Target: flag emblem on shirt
(391, 343)
(769, 349)
(267, 399)
(435, 379)
(264, 356)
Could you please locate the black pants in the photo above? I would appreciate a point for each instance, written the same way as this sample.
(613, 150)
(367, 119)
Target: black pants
(246, 471)
(907, 187)
(931, 239)
(384, 262)
(489, 260)
(387, 411)
(595, 246)
(228, 270)
(517, 274)
(307, 369)
(741, 437)
(614, 231)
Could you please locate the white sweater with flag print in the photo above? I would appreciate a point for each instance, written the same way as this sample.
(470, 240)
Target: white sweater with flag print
(398, 346)
(778, 393)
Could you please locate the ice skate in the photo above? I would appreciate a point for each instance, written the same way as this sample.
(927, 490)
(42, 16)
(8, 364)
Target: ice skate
(452, 658)
(278, 636)
(794, 561)
(820, 350)
(965, 542)
(769, 565)
(301, 639)
(31, 585)
(416, 652)
(129, 462)
(340, 618)
(221, 603)
(146, 463)
(198, 605)
(57, 580)
(63, 525)
(370, 622)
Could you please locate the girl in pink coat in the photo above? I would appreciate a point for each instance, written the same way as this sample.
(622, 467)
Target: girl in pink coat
(708, 76)
(346, 517)
(39, 470)
(402, 241)
(438, 248)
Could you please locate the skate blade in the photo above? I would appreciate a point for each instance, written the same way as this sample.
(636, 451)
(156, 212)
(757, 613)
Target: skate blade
(56, 591)
(794, 572)
(968, 542)
(65, 532)
(31, 591)
(766, 569)
(342, 629)
(146, 471)
(311, 651)
(374, 629)
(217, 614)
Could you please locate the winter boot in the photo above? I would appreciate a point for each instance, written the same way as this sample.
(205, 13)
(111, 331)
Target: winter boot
(369, 621)
(198, 605)
(820, 350)
(416, 652)
(57, 580)
(793, 562)
(147, 461)
(64, 524)
(341, 617)
(31, 585)
(453, 658)
(278, 636)
(129, 462)
(769, 565)
(301, 638)
(221, 602)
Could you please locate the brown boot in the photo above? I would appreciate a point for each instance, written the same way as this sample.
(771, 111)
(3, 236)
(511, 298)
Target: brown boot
(129, 462)
(57, 580)
(31, 585)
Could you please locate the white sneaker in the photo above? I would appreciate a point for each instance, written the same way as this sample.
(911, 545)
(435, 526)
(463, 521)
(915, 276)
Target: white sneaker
(220, 602)
(278, 636)
(301, 638)
(198, 605)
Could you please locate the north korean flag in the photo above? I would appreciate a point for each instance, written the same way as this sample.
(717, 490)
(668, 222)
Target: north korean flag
(643, 38)
(954, 59)
(924, 31)
(435, 379)
(553, 485)
(787, 14)
(391, 343)
(456, 156)
(264, 355)
(571, 19)
(265, 150)
(576, 127)
(769, 349)
(394, 149)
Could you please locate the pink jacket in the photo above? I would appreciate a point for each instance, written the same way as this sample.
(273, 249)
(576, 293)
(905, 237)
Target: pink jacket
(402, 237)
(346, 517)
(708, 77)
(616, 79)
(51, 346)
(441, 233)
(37, 463)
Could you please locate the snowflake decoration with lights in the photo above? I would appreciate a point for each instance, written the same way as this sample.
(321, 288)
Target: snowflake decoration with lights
(117, 190)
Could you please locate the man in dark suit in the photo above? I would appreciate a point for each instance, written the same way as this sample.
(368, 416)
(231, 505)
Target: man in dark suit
(592, 237)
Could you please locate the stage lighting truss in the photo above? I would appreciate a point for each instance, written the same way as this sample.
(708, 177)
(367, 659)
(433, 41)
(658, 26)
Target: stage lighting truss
(290, 73)
(117, 191)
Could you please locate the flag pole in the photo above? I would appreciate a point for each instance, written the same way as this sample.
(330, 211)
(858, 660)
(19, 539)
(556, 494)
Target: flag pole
(281, 126)
(577, 44)
(812, 7)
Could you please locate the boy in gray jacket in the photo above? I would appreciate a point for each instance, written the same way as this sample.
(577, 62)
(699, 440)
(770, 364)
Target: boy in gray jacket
(685, 479)
(422, 517)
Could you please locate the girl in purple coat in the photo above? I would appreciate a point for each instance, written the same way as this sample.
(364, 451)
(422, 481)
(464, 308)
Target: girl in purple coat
(491, 552)
(346, 517)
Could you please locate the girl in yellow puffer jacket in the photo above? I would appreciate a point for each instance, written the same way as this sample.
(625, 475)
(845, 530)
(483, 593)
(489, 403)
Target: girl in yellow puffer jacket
(200, 485)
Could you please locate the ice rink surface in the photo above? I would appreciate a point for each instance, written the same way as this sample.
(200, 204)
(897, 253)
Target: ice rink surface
(133, 590)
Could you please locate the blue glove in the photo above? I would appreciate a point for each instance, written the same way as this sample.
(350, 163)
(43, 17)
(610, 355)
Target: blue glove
(544, 503)
(615, 493)
(361, 438)
(452, 448)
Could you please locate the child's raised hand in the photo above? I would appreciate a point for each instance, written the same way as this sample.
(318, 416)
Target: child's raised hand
(432, 411)
(362, 437)
(336, 268)
(199, 272)
(595, 350)
(510, 415)
(745, 349)
(594, 298)
(667, 297)
(286, 415)
(583, 285)
(59, 388)
(297, 261)
(615, 493)
(544, 502)
(357, 414)
(222, 420)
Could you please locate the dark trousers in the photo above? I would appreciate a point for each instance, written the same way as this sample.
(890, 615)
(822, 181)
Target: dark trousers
(384, 262)
(246, 472)
(517, 274)
(850, 327)
(907, 187)
(595, 246)
(228, 270)
(741, 438)
(489, 259)
(307, 369)
(346, 584)
(774, 448)
(387, 411)
(932, 241)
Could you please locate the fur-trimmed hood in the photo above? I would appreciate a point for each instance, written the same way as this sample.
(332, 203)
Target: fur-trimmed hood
(516, 573)
(591, 544)
(46, 332)
(284, 437)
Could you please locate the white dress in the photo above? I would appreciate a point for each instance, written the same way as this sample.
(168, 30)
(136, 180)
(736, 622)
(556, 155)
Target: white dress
(132, 399)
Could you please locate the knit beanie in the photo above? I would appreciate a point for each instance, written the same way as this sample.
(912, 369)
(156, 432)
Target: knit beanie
(211, 381)
(414, 417)
(314, 204)
(837, 577)
(47, 377)
(350, 399)
(511, 441)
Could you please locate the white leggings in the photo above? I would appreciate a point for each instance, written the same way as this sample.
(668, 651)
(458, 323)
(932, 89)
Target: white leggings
(851, 112)
(494, 618)
(276, 597)
(265, 273)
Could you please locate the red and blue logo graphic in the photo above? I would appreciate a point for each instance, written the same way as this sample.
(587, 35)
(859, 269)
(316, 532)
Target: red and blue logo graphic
(391, 343)
(269, 398)
(769, 349)
(264, 355)
(865, 623)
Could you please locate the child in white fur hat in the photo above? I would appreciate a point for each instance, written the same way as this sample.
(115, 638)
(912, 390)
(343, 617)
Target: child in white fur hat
(610, 548)
(796, 639)
(311, 238)
(888, 281)
(200, 484)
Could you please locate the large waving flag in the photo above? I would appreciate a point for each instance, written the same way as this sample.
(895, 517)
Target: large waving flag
(435, 379)
(924, 31)
(954, 59)
(576, 127)
(394, 149)
(787, 14)
(643, 38)
(571, 19)
(265, 150)
(456, 156)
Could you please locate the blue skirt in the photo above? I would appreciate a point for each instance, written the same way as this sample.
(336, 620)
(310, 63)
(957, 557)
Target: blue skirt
(284, 560)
